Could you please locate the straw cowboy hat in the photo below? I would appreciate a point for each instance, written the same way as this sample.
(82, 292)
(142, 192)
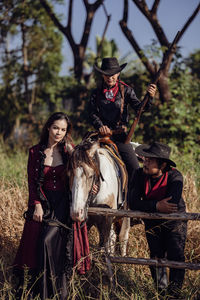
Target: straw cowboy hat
(155, 150)
(110, 66)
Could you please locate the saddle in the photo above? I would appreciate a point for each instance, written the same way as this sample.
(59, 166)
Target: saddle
(113, 152)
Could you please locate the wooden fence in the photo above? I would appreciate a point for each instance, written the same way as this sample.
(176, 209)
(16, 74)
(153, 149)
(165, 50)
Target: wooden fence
(142, 215)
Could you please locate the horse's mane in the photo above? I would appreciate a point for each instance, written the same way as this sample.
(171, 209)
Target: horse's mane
(81, 155)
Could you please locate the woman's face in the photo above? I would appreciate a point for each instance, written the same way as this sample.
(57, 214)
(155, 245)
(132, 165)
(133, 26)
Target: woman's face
(57, 131)
(150, 167)
(111, 80)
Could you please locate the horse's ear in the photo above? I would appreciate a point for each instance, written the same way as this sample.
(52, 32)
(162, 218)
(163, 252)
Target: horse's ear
(94, 146)
(95, 136)
(91, 137)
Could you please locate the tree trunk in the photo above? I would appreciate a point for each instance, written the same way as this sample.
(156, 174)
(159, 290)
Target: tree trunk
(25, 67)
(163, 88)
(78, 63)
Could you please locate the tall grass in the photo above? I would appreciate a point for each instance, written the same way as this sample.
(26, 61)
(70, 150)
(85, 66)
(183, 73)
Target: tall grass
(129, 282)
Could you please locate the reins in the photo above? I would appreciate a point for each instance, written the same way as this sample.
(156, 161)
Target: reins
(51, 222)
(91, 195)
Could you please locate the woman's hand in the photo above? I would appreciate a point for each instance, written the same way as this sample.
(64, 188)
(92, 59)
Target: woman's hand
(105, 130)
(164, 206)
(38, 213)
(152, 88)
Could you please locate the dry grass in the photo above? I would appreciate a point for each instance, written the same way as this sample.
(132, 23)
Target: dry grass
(132, 282)
(12, 207)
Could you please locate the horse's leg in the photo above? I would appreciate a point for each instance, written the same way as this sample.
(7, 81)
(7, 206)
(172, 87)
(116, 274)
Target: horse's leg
(123, 236)
(105, 229)
(111, 243)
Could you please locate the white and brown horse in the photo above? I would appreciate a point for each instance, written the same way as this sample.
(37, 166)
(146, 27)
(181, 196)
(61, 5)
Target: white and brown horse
(91, 164)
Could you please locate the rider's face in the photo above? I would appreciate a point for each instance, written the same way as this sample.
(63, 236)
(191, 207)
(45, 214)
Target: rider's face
(150, 167)
(111, 80)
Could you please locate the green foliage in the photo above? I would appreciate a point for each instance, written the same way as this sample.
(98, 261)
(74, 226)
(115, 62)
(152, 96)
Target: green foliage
(193, 62)
(76, 100)
(109, 48)
(176, 122)
(40, 67)
(13, 164)
(154, 51)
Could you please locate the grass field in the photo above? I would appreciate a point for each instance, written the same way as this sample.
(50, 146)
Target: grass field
(131, 282)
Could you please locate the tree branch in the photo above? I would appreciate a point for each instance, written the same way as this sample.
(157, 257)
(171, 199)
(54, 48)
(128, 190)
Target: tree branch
(182, 31)
(125, 12)
(127, 32)
(65, 30)
(69, 23)
(153, 20)
(68, 31)
(104, 32)
(189, 21)
(155, 7)
(91, 9)
(53, 17)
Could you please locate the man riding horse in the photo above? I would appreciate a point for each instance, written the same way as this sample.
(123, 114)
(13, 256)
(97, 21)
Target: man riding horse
(109, 108)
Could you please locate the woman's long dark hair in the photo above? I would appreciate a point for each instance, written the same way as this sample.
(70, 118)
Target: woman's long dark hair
(45, 131)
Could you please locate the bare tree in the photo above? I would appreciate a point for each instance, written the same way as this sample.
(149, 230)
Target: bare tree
(78, 49)
(151, 16)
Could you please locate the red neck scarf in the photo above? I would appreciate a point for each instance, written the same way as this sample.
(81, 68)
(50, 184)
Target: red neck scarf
(158, 191)
(110, 94)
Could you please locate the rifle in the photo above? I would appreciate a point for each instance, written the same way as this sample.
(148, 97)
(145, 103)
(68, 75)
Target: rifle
(147, 96)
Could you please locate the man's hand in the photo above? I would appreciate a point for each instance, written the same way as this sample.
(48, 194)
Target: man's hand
(95, 189)
(38, 213)
(164, 206)
(105, 130)
(152, 88)
(124, 128)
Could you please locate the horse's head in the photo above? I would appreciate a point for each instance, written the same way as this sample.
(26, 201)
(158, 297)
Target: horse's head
(84, 171)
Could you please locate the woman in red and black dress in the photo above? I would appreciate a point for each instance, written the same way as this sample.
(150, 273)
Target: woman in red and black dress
(44, 248)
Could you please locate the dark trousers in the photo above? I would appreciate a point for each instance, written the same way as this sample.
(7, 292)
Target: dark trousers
(128, 156)
(167, 240)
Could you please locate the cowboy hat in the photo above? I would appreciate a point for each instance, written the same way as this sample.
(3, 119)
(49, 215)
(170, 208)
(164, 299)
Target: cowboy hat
(155, 150)
(110, 66)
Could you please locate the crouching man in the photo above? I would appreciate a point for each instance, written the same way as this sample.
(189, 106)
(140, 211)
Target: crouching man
(157, 187)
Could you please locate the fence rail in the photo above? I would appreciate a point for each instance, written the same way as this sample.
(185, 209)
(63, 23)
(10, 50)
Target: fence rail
(142, 215)
(154, 262)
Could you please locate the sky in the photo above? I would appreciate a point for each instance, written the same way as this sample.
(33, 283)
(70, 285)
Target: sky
(172, 15)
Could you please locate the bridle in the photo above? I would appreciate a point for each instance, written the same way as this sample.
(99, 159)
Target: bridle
(91, 195)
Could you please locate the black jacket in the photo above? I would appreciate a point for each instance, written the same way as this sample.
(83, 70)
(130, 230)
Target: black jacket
(104, 112)
(137, 199)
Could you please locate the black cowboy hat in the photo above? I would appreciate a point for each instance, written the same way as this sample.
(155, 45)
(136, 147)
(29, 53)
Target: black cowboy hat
(110, 66)
(155, 150)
